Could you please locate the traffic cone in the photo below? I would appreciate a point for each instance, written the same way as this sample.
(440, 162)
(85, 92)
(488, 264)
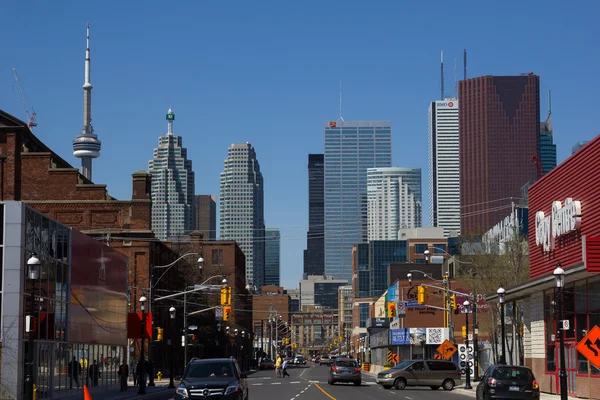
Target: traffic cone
(86, 393)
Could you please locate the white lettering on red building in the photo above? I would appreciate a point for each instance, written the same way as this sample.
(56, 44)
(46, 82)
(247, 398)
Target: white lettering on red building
(564, 219)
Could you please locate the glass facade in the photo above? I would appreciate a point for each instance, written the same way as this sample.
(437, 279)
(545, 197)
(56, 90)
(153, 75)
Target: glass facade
(272, 256)
(314, 256)
(547, 151)
(350, 149)
(326, 294)
(373, 261)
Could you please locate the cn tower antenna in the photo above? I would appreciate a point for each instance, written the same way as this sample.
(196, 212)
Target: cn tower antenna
(455, 83)
(442, 73)
(465, 62)
(341, 117)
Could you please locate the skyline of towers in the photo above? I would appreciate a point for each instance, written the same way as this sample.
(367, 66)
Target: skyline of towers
(394, 201)
(314, 255)
(241, 213)
(86, 145)
(351, 147)
(206, 215)
(443, 171)
(173, 186)
(499, 123)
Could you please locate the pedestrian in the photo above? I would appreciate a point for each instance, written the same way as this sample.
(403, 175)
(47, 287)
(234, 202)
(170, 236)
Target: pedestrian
(74, 371)
(123, 375)
(284, 369)
(94, 373)
(134, 373)
(278, 367)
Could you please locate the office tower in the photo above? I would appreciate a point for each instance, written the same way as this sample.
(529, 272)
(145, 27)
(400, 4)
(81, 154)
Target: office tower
(172, 186)
(444, 178)
(351, 147)
(547, 146)
(206, 215)
(272, 256)
(578, 146)
(499, 124)
(314, 255)
(86, 145)
(393, 201)
(242, 208)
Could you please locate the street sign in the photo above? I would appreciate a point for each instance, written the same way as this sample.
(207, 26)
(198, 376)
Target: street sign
(395, 358)
(401, 309)
(470, 336)
(447, 349)
(589, 346)
(565, 325)
(219, 313)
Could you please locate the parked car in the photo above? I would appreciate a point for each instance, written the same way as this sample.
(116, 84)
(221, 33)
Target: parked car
(432, 373)
(505, 381)
(266, 364)
(220, 377)
(300, 360)
(325, 360)
(345, 370)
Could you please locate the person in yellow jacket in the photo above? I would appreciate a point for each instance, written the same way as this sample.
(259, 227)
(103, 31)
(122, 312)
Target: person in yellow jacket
(278, 366)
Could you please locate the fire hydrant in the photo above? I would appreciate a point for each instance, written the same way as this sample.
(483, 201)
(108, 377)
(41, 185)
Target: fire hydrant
(159, 375)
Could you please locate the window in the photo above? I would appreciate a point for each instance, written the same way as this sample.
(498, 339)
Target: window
(420, 248)
(217, 257)
(417, 367)
(441, 366)
(439, 249)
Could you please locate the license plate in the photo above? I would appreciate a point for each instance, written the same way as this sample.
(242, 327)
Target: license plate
(513, 388)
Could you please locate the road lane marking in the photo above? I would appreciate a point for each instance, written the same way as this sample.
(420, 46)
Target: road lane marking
(324, 392)
(408, 398)
(295, 382)
(314, 381)
(303, 372)
(275, 383)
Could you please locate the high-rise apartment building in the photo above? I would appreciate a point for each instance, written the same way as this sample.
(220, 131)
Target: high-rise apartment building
(206, 215)
(242, 208)
(272, 256)
(314, 255)
(351, 147)
(444, 178)
(394, 199)
(172, 186)
(547, 146)
(499, 123)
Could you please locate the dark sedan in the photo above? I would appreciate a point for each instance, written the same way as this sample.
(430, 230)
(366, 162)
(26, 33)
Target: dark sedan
(217, 378)
(508, 382)
(345, 370)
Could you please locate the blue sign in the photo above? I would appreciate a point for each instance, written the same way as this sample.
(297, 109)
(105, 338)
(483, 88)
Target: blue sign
(413, 304)
(392, 293)
(400, 336)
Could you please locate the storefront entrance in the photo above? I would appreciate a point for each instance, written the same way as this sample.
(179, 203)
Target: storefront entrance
(570, 367)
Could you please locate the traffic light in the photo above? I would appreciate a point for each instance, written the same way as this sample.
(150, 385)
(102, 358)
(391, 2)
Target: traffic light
(225, 295)
(422, 296)
(159, 334)
(464, 332)
(226, 313)
(391, 310)
(453, 301)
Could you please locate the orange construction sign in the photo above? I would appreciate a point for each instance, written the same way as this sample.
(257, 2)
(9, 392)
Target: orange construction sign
(437, 356)
(395, 358)
(86, 393)
(447, 349)
(589, 346)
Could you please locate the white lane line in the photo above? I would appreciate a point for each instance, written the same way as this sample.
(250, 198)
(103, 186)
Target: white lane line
(295, 382)
(314, 381)
(257, 384)
(267, 378)
(275, 383)
(406, 397)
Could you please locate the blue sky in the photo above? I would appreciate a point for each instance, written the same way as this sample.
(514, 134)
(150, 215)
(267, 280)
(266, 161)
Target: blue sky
(268, 72)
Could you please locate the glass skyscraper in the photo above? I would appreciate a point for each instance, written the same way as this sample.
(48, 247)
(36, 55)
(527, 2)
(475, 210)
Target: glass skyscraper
(241, 211)
(351, 147)
(172, 186)
(373, 260)
(314, 255)
(272, 256)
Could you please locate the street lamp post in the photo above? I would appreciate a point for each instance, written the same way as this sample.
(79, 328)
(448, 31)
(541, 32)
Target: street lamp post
(142, 364)
(559, 276)
(33, 266)
(500, 292)
(467, 305)
(171, 372)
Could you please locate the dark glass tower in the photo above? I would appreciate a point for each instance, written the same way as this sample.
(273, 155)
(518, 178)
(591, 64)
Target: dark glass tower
(314, 255)
(547, 146)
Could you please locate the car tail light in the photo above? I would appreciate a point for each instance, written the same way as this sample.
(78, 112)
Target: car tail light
(357, 369)
(492, 382)
(459, 373)
(535, 385)
(333, 368)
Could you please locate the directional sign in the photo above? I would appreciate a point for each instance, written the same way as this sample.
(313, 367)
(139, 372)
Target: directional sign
(447, 349)
(395, 358)
(589, 346)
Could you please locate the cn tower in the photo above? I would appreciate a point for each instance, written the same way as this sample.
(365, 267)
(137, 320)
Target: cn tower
(87, 146)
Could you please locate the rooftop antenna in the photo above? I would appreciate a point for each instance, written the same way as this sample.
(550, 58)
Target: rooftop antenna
(455, 84)
(549, 104)
(465, 62)
(442, 73)
(341, 118)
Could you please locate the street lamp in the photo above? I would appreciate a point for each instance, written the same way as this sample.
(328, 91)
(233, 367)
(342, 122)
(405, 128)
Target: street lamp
(172, 314)
(500, 293)
(33, 273)
(409, 276)
(466, 306)
(142, 364)
(426, 253)
(559, 276)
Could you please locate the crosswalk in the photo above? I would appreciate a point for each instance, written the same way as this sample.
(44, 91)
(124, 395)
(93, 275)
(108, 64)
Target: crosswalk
(271, 381)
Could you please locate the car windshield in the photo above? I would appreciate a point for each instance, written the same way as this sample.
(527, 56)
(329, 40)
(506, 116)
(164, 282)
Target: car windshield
(346, 363)
(209, 370)
(513, 373)
(403, 365)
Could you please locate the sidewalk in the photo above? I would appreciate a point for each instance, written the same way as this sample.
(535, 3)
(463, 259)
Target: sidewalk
(116, 394)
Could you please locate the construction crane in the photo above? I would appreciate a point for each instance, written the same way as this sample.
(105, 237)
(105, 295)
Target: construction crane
(30, 116)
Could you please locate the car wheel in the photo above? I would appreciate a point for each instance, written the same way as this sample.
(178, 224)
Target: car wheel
(448, 384)
(434, 387)
(330, 382)
(386, 386)
(400, 384)
(357, 383)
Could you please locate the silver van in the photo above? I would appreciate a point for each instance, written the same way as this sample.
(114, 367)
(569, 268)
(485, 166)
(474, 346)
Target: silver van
(432, 373)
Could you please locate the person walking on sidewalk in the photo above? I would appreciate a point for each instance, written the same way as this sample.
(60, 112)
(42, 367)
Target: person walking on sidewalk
(123, 375)
(278, 367)
(284, 369)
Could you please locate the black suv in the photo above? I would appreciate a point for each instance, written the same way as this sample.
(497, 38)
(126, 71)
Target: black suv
(215, 378)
